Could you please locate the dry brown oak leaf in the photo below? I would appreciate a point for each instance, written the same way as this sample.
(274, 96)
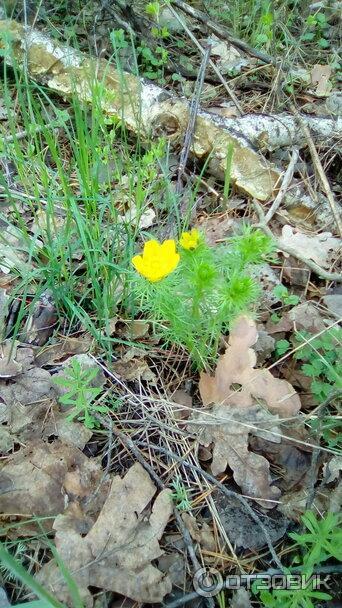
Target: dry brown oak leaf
(246, 409)
(43, 478)
(236, 367)
(116, 553)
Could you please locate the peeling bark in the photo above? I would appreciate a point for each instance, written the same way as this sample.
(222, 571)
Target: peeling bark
(151, 111)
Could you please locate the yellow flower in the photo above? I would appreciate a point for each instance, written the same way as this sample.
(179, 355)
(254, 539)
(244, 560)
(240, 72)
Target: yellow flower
(157, 260)
(190, 240)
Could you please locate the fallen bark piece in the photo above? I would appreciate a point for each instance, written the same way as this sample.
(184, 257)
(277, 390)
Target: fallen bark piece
(142, 106)
(116, 553)
(151, 110)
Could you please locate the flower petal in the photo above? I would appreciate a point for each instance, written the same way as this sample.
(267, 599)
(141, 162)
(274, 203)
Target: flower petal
(168, 248)
(151, 249)
(138, 263)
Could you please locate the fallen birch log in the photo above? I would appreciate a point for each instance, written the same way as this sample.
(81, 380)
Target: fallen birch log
(152, 111)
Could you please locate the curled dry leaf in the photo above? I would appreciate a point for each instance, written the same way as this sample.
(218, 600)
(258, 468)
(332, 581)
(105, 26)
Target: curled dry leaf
(37, 480)
(31, 386)
(318, 247)
(236, 368)
(133, 366)
(116, 553)
(200, 532)
(54, 353)
(13, 360)
(304, 316)
(227, 57)
(41, 322)
(9, 367)
(230, 439)
(320, 75)
(236, 413)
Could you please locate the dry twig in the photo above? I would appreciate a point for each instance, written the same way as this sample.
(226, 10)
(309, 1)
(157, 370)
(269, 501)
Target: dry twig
(212, 64)
(283, 188)
(193, 110)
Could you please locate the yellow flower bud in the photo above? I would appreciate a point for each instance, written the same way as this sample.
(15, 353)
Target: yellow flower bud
(190, 240)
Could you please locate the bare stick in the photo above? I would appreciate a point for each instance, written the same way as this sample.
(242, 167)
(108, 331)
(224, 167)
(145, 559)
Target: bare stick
(193, 110)
(283, 188)
(212, 64)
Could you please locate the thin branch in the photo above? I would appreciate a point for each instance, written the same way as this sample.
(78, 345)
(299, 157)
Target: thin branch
(212, 64)
(193, 110)
(319, 169)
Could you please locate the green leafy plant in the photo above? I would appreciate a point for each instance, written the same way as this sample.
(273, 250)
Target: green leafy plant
(321, 540)
(264, 36)
(281, 347)
(194, 295)
(322, 360)
(287, 299)
(317, 30)
(152, 61)
(323, 364)
(81, 395)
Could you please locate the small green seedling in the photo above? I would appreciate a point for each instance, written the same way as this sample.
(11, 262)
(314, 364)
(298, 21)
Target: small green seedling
(81, 395)
(287, 299)
(281, 347)
(180, 496)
